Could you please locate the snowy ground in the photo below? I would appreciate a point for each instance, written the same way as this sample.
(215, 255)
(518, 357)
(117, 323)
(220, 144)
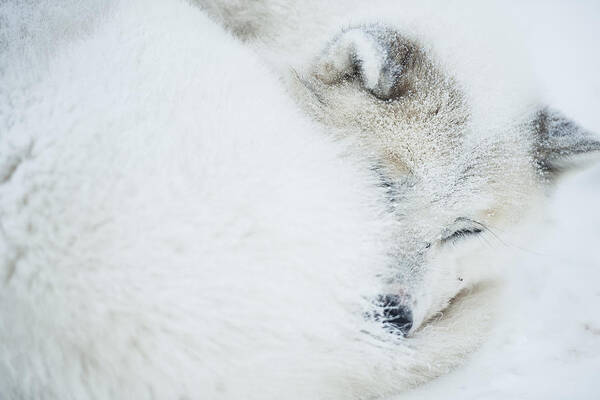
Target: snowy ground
(546, 345)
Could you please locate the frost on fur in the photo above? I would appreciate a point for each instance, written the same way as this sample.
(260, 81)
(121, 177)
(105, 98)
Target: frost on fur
(177, 223)
(381, 59)
(560, 144)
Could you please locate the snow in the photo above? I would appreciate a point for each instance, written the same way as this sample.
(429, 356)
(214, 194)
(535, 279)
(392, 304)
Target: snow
(546, 341)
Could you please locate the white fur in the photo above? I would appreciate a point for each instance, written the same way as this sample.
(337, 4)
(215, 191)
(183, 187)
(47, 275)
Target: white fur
(173, 226)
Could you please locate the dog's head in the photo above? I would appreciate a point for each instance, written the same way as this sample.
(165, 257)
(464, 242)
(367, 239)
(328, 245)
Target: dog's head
(456, 185)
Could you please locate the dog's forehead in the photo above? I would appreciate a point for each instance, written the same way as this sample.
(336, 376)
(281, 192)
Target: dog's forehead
(474, 182)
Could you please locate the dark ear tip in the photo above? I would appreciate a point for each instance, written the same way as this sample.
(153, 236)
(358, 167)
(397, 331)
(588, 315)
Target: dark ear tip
(560, 144)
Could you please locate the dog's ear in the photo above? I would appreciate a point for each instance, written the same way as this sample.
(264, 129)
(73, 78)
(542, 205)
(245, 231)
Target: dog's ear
(561, 145)
(379, 58)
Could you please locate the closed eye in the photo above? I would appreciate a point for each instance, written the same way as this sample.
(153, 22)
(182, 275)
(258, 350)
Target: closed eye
(461, 233)
(465, 229)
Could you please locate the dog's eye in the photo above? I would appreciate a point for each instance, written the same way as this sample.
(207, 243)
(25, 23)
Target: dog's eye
(466, 228)
(462, 233)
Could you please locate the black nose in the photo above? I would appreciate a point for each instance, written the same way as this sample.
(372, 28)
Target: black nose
(394, 314)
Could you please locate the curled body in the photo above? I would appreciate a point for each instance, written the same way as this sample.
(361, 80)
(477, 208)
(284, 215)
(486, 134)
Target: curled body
(191, 213)
(449, 119)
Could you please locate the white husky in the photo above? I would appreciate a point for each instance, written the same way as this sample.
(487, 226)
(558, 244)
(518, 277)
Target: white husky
(176, 223)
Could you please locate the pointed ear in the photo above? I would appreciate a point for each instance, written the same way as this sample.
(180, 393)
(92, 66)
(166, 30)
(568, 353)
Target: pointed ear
(561, 145)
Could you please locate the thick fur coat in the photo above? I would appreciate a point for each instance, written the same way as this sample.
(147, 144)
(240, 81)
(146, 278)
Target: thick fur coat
(179, 219)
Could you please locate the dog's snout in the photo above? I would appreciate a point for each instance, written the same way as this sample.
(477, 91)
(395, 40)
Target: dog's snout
(395, 314)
